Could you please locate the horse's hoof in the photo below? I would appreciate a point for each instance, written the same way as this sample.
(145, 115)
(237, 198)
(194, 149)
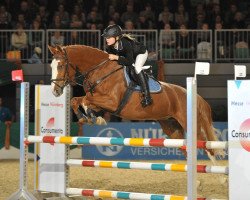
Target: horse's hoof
(82, 120)
(100, 121)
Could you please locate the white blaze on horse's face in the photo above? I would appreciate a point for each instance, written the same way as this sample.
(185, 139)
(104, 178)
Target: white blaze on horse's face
(54, 65)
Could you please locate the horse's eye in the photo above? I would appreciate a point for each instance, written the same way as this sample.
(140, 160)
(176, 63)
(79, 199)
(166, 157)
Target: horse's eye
(59, 67)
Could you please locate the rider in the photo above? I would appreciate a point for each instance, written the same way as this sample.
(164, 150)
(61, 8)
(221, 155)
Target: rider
(127, 51)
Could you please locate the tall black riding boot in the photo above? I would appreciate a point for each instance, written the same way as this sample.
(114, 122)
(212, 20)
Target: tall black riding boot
(147, 100)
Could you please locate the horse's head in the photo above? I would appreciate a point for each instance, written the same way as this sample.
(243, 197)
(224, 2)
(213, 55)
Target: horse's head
(61, 71)
(72, 59)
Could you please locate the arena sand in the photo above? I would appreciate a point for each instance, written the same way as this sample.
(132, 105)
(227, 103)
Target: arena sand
(145, 181)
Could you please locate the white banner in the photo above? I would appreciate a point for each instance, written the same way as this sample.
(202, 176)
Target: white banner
(50, 120)
(239, 139)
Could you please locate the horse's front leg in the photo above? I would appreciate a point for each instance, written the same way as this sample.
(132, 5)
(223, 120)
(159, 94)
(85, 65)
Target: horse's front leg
(91, 118)
(75, 102)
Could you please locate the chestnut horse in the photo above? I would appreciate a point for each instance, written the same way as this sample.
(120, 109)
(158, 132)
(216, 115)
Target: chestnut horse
(105, 84)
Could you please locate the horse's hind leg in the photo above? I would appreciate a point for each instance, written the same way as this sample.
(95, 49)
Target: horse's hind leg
(172, 128)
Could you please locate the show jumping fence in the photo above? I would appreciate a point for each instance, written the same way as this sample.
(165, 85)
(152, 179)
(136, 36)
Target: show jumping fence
(190, 144)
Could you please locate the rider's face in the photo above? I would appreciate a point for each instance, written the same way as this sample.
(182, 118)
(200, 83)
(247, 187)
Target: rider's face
(110, 41)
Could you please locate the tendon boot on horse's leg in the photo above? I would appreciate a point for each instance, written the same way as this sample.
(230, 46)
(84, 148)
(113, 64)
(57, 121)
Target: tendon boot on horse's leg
(81, 117)
(92, 119)
(91, 116)
(147, 100)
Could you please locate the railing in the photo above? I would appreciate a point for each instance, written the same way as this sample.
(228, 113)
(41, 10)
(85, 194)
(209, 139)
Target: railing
(24, 41)
(232, 45)
(225, 45)
(68, 37)
(185, 45)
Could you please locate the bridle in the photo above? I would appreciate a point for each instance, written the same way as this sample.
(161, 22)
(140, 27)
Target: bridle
(86, 83)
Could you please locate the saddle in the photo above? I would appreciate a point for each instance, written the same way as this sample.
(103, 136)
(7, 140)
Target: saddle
(131, 79)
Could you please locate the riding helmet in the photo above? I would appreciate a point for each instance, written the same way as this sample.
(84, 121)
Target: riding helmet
(112, 31)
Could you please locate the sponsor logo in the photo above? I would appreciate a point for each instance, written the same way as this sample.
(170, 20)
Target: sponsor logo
(243, 134)
(48, 129)
(52, 104)
(245, 139)
(109, 150)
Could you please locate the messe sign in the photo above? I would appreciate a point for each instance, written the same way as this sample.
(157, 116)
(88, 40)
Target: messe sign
(239, 139)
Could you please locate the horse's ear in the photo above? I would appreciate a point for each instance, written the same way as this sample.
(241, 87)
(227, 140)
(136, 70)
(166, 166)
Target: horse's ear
(52, 49)
(59, 49)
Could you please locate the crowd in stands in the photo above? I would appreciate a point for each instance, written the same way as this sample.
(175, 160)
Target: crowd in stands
(129, 14)
(37, 15)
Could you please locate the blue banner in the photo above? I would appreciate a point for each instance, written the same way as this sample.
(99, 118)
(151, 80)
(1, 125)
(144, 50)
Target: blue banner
(137, 130)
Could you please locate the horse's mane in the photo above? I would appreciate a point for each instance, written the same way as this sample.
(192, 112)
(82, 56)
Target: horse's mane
(91, 50)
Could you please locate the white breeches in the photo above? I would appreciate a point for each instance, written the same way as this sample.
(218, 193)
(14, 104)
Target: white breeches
(140, 61)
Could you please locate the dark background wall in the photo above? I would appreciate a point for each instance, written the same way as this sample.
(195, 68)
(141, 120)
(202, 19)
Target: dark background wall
(212, 87)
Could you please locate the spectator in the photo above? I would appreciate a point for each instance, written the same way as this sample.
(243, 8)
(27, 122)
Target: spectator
(230, 14)
(56, 23)
(36, 57)
(64, 16)
(204, 34)
(184, 43)
(5, 113)
(111, 11)
(93, 19)
(74, 38)
(19, 39)
(166, 10)
(218, 19)
(44, 15)
(181, 16)
(5, 18)
(222, 41)
(129, 25)
(129, 15)
(238, 21)
(91, 39)
(144, 23)
(148, 13)
(247, 17)
(75, 22)
(21, 20)
(7, 118)
(116, 18)
(98, 14)
(165, 19)
(25, 11)
(35, 36)
(200, 20)
(80, 14)
(57, 39)
(213, 14)
(168, 37)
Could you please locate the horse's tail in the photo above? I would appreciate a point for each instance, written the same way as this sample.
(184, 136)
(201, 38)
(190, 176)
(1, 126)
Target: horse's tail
(207, 127)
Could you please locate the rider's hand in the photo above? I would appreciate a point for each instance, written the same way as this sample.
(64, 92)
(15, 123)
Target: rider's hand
(113, 57)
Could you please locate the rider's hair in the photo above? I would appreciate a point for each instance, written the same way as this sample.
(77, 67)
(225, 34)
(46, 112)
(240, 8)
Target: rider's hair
(129, 36)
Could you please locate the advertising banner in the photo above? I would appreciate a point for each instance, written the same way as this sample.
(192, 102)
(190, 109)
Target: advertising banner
(50, 121)
(137, 130)
(239, 139)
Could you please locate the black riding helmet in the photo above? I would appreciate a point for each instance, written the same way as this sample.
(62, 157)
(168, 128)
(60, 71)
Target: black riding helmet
(112, 31)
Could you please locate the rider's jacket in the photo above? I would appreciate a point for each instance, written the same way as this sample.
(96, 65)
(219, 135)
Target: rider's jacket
(127, 50)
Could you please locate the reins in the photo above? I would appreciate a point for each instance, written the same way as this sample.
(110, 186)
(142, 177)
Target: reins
(86, 83)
